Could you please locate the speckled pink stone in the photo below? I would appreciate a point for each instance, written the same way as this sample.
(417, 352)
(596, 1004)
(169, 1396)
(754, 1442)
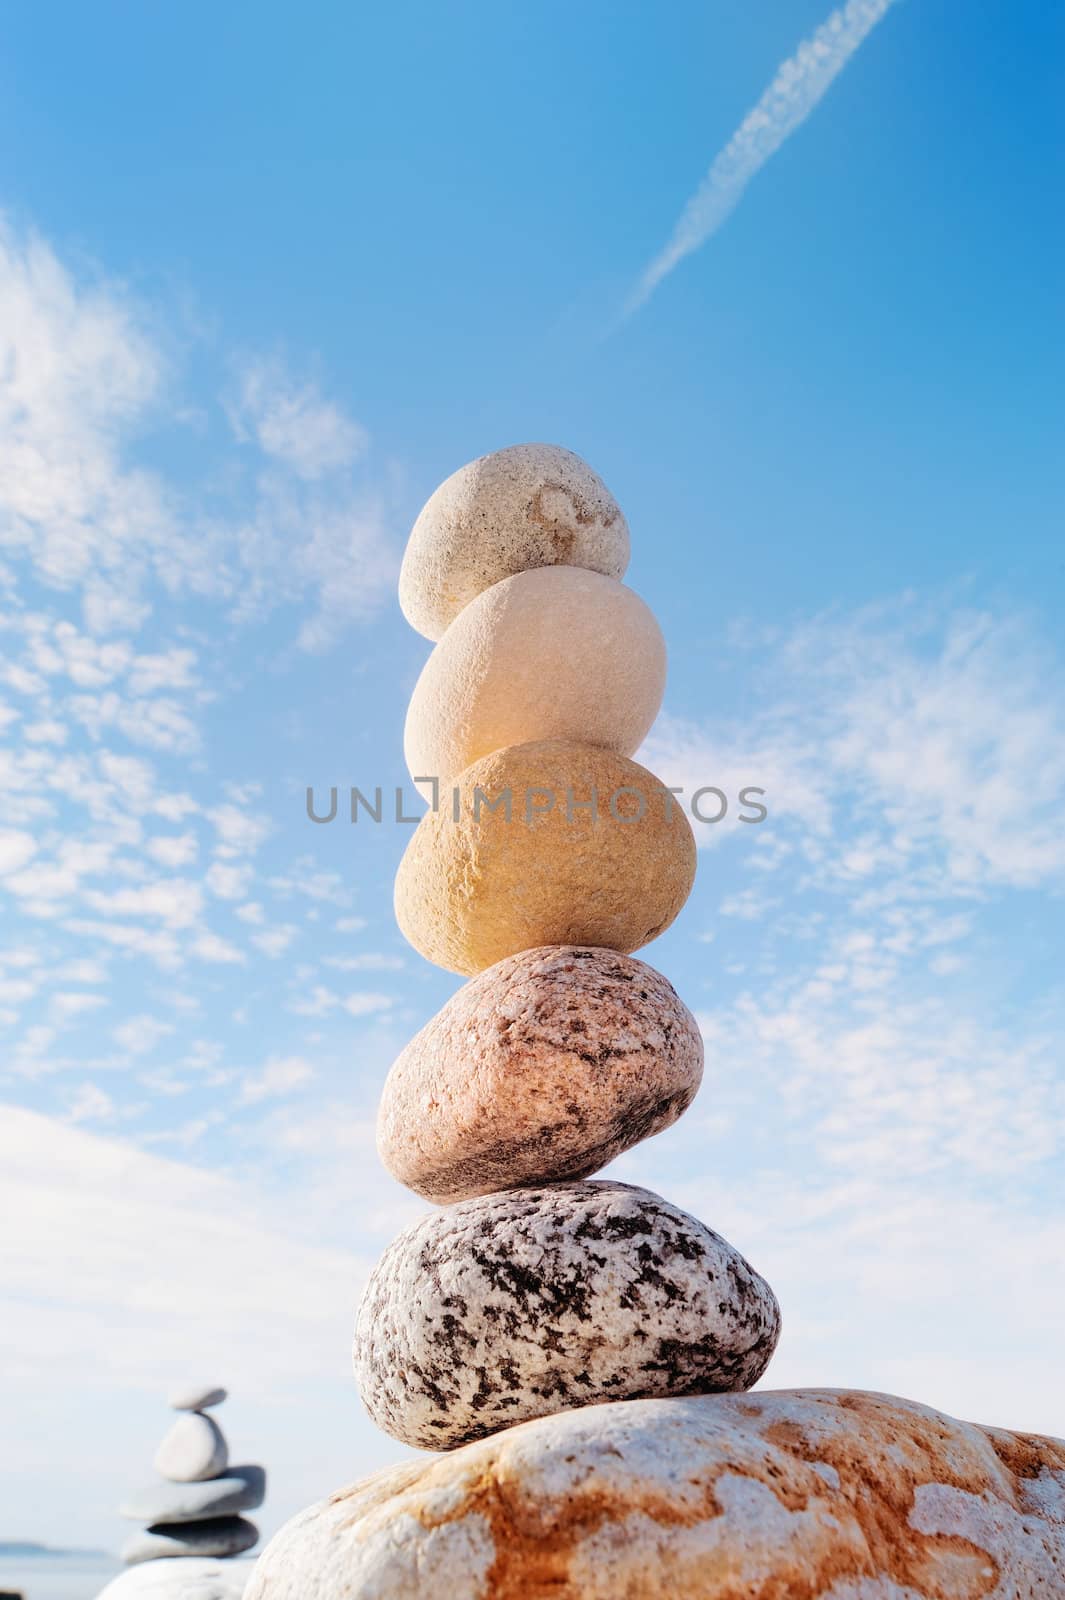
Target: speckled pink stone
(542, 1068)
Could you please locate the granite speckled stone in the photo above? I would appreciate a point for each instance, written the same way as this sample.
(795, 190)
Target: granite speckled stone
(214, 1536)
(557, 653)
(543, 1068)
(240, 1489)
(193, 1449)
(794, 1495)
(516, 1305)
(473, 891)
(530, 505)
(182, 1578)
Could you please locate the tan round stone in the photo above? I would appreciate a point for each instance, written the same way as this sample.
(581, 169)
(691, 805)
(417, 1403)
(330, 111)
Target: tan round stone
(475, 885)
(543, 1068)
(531, 505)
(557, 653)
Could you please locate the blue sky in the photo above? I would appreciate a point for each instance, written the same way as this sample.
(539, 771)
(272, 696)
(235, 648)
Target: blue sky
(264, 281)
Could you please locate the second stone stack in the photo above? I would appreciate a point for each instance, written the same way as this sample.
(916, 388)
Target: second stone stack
(547, 858)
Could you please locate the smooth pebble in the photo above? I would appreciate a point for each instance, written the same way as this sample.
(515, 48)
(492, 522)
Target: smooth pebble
(553, 654)
(529, 505)
(193, 1449)
(594, 851)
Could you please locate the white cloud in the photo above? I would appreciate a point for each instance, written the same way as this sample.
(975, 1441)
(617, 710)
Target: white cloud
(320, 1001)
(158, 724)
(42, 883)
(46, 732)
(240, 832)
(274, 942)
(77, 369)
(162, 948)
(306, 879)
(315, 1004)
(212, 947)
(349, 564)
(67, 1004)
(176, 902)
(280, 1076)
(293, 424)
(140, 1034)
(370, 961)
(16, 991)
(366, 1005)
(228, 882)
(16, 848)
(84, 1270)
(90, 1103)
(82, 379)
(799, 85)
(175, 807)
(173, 850)
(170, 669)
(898, 741)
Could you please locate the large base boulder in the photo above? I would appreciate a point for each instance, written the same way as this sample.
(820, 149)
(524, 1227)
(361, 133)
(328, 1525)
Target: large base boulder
(813, 1494)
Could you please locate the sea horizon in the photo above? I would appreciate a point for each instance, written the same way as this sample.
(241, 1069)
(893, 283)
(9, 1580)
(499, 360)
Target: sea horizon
(57, 1576)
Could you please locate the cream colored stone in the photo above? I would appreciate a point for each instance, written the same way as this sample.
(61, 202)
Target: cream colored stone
(473, 891)
(545, 1067)
(809, 1494)
(557, 653)
(531, 505)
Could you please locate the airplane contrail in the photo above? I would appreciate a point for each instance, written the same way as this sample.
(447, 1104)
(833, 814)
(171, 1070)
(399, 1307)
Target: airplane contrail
(794, 92)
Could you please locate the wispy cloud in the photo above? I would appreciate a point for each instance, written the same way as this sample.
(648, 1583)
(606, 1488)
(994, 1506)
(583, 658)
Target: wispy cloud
(293, 424)
(301, 515)
(907, 744)
(796, 89)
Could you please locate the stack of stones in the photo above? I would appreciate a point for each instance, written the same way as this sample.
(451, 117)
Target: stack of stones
(579, 1348)
(549, 856)
(192, 1519)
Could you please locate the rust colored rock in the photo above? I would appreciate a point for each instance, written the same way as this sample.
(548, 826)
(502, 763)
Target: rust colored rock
(530, 505)
(543, 867)
(521, 1304)
(553, 654)
(543, 1068)
(810, 1494)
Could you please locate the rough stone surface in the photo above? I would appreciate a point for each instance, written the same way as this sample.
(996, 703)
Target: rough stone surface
(197, 1397)
(516, 1305)
(193, 1449)
(182, 1578)
(471, 892)
(557, 653)
(543, 1068)
(795, 1495)
(216, 1536)
(531, 505)
(241, 1489)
